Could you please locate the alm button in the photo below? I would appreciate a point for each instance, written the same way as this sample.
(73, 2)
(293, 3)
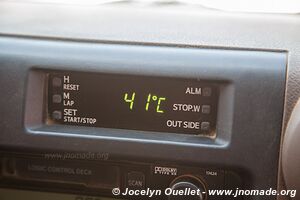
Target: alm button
(135, 180)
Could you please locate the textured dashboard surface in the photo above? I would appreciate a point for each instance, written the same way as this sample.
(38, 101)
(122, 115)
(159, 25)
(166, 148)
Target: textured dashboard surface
(170, 25)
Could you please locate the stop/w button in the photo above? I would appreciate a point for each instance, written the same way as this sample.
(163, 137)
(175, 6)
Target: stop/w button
(135, 180)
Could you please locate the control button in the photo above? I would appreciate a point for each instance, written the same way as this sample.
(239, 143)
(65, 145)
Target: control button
(192, 186)
(56, 82)
(207, 91)
(56, 98)
(57, 115)
(205, 126)
(135, 180)
(205, 109)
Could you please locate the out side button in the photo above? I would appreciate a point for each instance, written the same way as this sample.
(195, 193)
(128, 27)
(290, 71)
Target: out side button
(205, 126)
(135, 180)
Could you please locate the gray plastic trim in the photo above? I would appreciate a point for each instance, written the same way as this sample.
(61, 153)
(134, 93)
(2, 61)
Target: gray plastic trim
(253, 81)
(291, 151)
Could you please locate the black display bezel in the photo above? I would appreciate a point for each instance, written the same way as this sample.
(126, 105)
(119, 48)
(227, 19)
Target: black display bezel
(142, 122)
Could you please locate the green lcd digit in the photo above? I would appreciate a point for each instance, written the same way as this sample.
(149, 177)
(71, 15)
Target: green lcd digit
(130, 101)
(155, 98)
(158, 104)
(148, 102)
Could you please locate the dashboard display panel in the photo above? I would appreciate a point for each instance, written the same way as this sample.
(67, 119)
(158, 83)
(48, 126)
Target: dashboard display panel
(157, 104)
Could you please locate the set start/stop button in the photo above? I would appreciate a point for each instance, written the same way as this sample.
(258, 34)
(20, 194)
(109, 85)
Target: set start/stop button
(135, 180)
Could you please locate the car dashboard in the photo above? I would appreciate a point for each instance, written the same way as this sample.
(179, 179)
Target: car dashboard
(99, 100)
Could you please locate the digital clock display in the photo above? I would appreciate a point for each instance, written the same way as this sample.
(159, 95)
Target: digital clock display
(157, 104)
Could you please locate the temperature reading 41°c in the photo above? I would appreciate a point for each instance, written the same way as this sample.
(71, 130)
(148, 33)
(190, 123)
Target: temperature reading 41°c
(152, 102)
(130, 102)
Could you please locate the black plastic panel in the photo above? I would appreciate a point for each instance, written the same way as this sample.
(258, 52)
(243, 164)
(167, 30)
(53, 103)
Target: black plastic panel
(100, 177)
(186, 106)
